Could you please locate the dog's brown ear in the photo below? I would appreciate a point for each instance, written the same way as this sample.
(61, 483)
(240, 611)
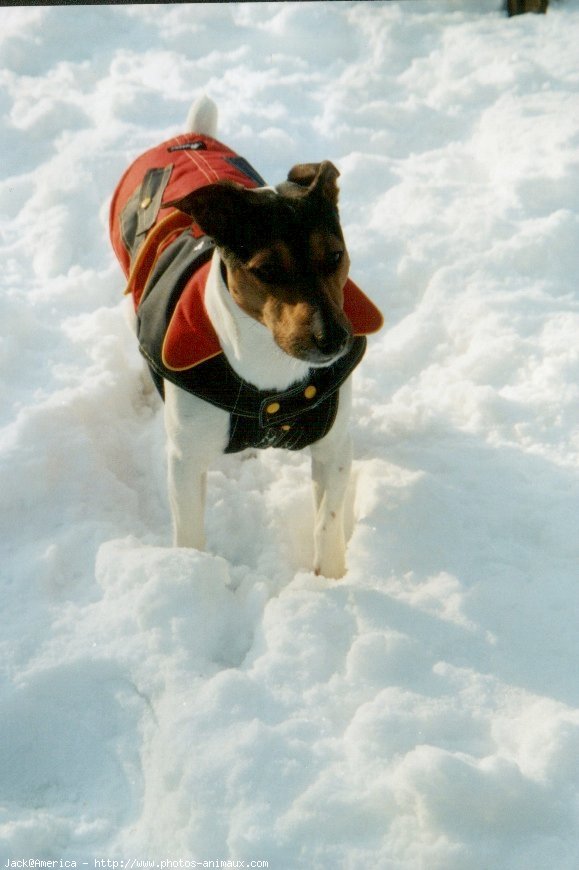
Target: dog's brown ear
(219, 209)
(319, 178)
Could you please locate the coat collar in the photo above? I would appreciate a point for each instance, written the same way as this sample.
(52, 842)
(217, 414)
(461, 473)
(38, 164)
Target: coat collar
(191, 339)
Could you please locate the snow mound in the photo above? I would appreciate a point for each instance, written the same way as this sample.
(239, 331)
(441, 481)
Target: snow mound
(160, 703)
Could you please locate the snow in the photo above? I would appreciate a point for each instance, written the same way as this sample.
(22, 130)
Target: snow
(159, 703)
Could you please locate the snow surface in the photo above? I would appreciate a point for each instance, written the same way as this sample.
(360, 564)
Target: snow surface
(423, 713)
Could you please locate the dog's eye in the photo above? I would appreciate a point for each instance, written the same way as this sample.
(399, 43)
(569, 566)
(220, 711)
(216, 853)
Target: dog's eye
(269, 273)
(333, 260)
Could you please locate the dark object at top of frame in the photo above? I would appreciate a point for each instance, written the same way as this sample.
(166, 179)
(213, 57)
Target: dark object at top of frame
(517, 7)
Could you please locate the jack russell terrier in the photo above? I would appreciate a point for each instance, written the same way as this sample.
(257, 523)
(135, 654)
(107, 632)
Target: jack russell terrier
(245, 316)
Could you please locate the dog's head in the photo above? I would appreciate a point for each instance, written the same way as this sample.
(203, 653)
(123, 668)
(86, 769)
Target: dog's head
(285, 258)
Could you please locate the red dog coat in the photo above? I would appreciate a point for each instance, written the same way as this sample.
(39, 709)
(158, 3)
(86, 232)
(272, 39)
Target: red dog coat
(165, 258)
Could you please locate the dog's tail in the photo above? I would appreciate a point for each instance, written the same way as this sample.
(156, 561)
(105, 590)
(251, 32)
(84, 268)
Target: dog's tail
(202, 117)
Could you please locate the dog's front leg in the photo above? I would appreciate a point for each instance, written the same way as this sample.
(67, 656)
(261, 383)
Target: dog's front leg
(331, 463)
(197, 434)
(187, 486)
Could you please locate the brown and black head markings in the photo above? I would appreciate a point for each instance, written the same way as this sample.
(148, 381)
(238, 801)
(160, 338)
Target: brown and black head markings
(285, 258)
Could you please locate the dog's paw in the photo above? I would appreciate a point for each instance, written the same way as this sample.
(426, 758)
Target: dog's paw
(333, 568)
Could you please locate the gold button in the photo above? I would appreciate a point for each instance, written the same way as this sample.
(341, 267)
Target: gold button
(146, 202)
(310, 392)
(273, 408)
(285, 428)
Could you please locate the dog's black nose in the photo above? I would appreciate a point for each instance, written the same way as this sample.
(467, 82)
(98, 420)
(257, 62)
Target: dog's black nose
(332, 340)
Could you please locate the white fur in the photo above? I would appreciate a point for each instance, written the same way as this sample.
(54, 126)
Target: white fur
(202, 117)
(197, 432)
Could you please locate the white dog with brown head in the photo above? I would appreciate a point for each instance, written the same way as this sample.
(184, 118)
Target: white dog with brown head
(285, 324)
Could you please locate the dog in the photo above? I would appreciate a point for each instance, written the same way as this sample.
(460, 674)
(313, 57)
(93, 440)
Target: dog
(245, 315)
